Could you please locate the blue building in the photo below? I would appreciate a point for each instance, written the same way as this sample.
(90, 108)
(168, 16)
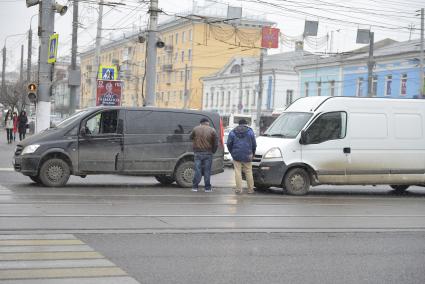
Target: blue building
(395, 74)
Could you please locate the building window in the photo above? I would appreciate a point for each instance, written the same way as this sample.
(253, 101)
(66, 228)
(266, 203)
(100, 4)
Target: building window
(183, 37)
(247, 98)
(188, 74)
(403, 85)
(374, 85)
(217, 99)
(157, 78)
(306, 85)
(159, 60)
(254, 96)
(182, 55)
(181, 97)
(190, 35)
(206, 98)
(388, 81)
(189, 54)
(229, 94)
(176, 56)
(359, 89)
(235, 69)
(222, 99)
(289, 97)
(177, 38)
(212, 98)
(332, 88)
(171, 39)
(319, 88)
(181, 76)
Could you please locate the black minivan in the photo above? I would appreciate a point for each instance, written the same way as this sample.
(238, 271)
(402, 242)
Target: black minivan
(117, 140)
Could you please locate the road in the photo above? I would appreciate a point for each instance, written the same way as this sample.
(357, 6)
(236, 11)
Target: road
(120, 229)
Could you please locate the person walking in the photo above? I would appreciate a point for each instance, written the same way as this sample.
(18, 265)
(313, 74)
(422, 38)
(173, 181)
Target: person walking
(205, 143)
(242, 145)
(22, 125)
(8, 123)
(15, 125)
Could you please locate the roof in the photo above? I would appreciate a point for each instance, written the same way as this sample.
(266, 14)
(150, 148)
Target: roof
(395, 48)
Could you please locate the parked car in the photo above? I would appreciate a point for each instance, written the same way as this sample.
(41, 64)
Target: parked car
(117, 140)
(343, 141)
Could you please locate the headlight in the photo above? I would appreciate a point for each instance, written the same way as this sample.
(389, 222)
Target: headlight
(273, 153)
(30, 149)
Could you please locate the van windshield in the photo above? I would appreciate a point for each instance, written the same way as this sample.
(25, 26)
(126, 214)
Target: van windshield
(288, 125)
(71, 119)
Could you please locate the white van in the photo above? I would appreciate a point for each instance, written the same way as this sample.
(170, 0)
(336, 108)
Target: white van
(343, 141)
(234, 120)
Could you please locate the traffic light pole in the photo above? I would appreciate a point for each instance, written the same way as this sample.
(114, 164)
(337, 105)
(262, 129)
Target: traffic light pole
(46, 21)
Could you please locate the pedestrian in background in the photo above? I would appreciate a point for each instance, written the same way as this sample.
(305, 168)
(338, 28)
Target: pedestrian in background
(15, 125)
(8, 123)
(205, 143)
(242, 145)
(22, 125)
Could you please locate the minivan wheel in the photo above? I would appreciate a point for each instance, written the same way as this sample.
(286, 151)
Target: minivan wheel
(54, 173)
(35, 179)
(297, 182)
(398, 188)
(165, 180)
(184, 174)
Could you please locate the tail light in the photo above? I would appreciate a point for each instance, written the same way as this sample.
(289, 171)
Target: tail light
(221, 132)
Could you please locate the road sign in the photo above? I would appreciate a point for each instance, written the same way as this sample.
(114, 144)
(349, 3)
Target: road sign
(53, 48)
(107, 72)
(269, 37)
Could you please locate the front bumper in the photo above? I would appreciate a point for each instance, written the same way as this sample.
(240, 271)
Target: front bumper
(269, 173)
(26, 164)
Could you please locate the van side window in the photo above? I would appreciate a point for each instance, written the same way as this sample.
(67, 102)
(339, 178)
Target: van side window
(160, 122)
(328, 126)
(102, 123)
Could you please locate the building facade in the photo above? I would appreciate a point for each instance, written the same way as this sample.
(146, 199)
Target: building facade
(194, 47)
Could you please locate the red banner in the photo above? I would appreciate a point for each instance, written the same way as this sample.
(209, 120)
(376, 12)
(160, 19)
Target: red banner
(108, 93)
(270, 37)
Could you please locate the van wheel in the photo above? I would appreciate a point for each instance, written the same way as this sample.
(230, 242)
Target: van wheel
(399, 188)
(184, 174)
(165, 180)
(54, 173)
(297, 182)
(35, 179)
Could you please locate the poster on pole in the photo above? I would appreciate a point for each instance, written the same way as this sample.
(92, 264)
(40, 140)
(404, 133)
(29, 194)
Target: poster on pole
(269, 37)
(53, 48)
(108, 93)
(107, 72)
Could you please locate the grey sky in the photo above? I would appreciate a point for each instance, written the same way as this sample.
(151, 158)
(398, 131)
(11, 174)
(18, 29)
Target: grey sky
(388, 18)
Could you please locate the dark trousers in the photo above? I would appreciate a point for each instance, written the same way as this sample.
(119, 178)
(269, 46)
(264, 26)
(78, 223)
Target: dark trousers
(21, 136)
(9, 133)
(203, 161)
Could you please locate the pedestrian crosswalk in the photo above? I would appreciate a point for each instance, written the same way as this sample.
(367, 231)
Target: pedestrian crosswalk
(55, 259)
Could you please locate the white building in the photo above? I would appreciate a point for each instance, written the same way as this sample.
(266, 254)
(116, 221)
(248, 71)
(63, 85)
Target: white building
(222, 91)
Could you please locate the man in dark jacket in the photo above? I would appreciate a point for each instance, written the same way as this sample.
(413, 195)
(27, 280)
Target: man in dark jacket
(205, 143)
(241, 144)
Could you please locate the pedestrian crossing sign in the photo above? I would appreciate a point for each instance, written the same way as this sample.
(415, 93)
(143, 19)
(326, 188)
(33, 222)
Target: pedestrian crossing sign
(53, 48)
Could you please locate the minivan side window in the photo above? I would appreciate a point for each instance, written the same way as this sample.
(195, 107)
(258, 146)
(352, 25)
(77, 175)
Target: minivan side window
(328, 126)
(160, 122)
(102, 123)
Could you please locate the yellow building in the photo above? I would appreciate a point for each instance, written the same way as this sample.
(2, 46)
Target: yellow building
(194, 48)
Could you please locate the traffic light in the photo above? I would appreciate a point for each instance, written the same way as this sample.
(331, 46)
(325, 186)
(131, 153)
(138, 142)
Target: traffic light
(32, 92)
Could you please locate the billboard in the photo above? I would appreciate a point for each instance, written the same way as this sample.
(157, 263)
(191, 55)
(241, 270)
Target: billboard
(108, 93)
(107, 72)
(269, 37)
(53, 48)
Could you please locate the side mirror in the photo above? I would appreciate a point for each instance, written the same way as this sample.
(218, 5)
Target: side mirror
(304, 138)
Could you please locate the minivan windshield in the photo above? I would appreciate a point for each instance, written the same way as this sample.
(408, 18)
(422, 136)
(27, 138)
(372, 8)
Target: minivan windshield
(68, 121)
(288, 125)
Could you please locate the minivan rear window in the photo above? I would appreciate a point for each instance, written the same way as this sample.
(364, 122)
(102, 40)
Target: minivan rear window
(160, 122)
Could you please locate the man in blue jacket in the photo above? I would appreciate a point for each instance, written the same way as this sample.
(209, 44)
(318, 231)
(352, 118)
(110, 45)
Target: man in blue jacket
(241, 144)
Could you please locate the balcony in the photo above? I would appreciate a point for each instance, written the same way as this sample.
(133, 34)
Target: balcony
(167, 67)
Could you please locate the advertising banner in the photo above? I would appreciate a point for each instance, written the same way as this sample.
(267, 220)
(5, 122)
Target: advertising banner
(269, 37)
(108, 93)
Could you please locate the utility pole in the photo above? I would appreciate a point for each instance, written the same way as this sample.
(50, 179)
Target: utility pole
(370, 65)
(73, 88)
(151, 54)
(260, 91)
(185, 87)
(3, 73)
(21, 69)
(29, 55)
(240, 88)
(47, 22)
(421, 71)
(95, 67)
